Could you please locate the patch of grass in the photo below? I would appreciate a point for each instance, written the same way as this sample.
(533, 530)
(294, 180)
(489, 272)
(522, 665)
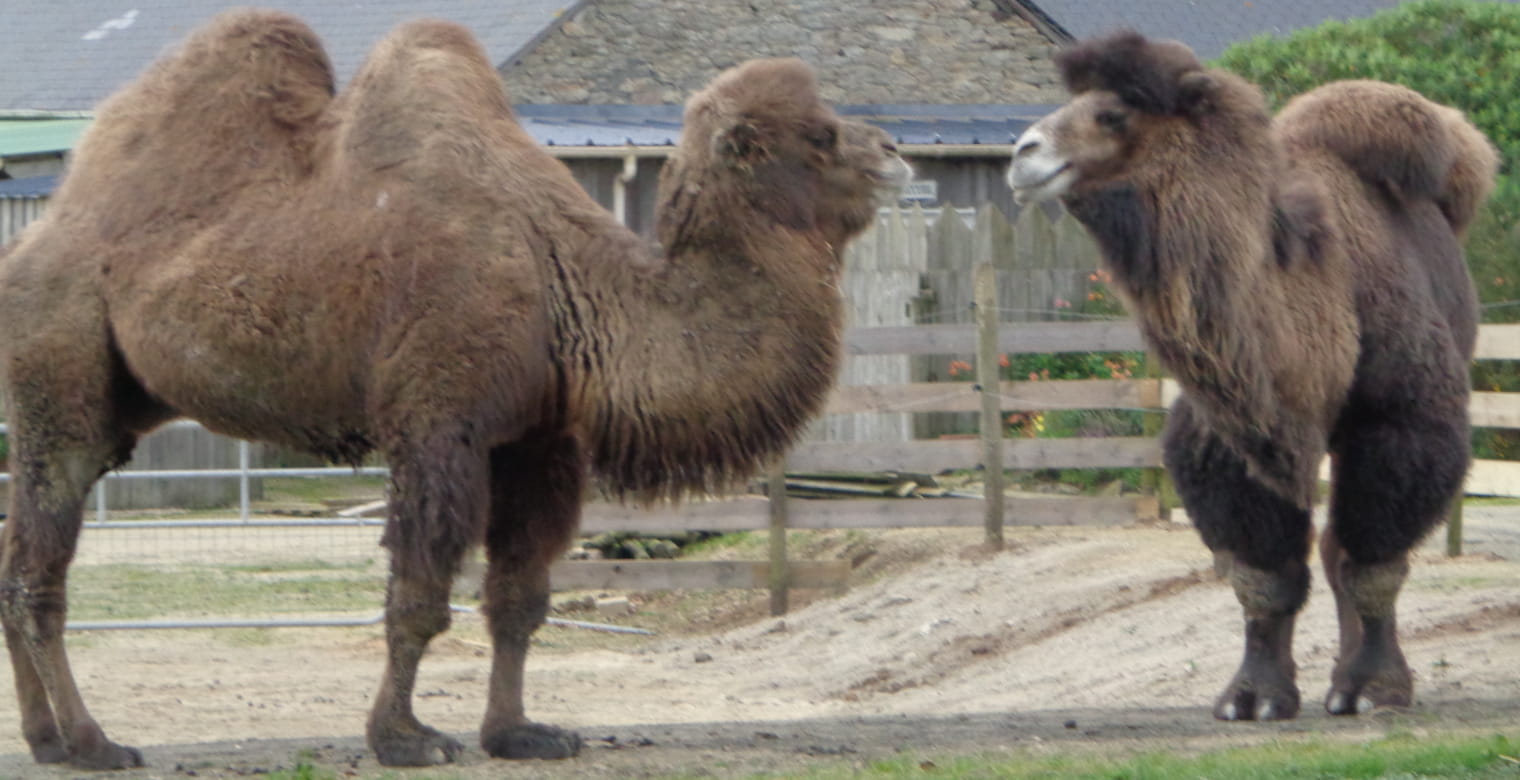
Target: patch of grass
(303, 771)
(318, 489)
(707, 547)
(136, 592)
(1396, 757)
(311, 564)
(1491, 501)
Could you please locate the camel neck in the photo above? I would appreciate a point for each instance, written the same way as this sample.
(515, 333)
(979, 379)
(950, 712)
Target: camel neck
(698, 367)
(1201, 278)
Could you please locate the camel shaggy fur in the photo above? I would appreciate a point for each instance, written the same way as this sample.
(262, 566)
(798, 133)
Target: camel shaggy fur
(399, 268)
(1303, 280)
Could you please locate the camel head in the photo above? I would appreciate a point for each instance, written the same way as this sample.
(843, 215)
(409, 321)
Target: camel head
(760, 134)
(1137, 107)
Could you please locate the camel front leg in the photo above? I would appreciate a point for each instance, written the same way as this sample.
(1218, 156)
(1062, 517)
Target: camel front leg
(1265, 687)
(1265, 537)
(437, 502)
(416, 610)
(535, 509)
(1394, 477)
(1371, 670)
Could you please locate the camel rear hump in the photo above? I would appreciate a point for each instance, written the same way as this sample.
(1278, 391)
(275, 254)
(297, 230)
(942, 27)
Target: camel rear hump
(1394, 138)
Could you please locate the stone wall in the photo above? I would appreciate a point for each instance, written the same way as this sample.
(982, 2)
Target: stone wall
(866, 51)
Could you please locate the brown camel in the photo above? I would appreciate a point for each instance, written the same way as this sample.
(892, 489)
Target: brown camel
(1303, 279)
(399, 268)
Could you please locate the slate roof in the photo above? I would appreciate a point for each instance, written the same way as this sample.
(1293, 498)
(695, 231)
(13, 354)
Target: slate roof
(1208, 26)
(62, 56)
(30, 187)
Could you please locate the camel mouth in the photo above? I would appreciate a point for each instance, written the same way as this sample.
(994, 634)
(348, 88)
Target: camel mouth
(1038, 189)
(892, 178)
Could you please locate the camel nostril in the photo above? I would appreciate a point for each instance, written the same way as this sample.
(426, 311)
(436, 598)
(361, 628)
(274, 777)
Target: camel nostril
(1026, 148)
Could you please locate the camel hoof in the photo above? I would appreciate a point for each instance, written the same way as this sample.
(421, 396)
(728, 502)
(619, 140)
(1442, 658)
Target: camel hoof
(1241, 702)
(1371, 696)
(1372, 680)
(107, 756)
(424, 747)
(48, 749)
(531, 740)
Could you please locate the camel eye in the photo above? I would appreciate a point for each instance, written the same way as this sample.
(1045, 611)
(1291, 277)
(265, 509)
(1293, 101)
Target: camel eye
(1111, 119)
(823, 138)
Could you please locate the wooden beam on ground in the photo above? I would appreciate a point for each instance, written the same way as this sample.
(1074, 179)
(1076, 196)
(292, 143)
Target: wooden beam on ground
(673, 575)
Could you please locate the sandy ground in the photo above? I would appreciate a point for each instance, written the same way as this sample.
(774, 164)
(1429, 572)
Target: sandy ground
(1069, 639)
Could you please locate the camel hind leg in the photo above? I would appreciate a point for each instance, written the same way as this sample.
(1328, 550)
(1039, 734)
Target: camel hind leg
(1264, 538)
(57, 453)
(1394, 480)
(535, 509)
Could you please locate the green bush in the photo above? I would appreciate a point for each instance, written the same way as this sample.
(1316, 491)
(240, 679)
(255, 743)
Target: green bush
(1457, 52)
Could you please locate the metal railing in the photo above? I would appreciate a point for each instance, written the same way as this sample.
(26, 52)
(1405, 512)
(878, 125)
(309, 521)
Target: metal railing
(243, 473)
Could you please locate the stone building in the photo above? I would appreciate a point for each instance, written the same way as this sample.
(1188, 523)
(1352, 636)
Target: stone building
(647, 52)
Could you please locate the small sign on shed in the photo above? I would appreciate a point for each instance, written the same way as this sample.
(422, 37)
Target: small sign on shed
(921, 191)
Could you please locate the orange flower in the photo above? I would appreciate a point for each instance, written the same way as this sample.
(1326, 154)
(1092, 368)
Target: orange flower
(1004, 361)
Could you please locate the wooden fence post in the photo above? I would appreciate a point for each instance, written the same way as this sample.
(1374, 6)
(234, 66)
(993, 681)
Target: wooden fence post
(775, 491)
(1454, 527)
(991, 417)
(1154, 482)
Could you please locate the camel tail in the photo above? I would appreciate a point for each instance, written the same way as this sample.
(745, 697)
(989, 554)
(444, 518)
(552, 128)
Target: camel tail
(1470, 178)
(1395, 139)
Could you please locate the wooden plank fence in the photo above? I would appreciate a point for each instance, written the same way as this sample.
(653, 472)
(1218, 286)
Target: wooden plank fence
(752, 513)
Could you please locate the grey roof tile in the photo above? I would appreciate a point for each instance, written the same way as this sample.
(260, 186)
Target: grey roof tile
(62, 56)
(31, 187)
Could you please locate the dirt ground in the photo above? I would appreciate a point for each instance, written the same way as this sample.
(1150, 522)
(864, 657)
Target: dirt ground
(1108, 640)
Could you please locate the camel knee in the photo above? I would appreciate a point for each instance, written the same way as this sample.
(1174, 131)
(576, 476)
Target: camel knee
(1266, 593)
(1373, 589)
(415, 609)
(513, 608)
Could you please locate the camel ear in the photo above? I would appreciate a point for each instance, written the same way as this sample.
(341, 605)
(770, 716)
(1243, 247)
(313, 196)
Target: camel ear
(1196, 92)
(740, 142)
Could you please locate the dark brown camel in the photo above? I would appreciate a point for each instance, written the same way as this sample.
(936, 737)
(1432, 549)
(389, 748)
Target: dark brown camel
(1303, 279)
(399, 268)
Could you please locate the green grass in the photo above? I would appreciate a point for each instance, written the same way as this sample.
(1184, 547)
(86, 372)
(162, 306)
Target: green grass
(318, 489)
(1393, 758)
(135, 592)
(1398, 757)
